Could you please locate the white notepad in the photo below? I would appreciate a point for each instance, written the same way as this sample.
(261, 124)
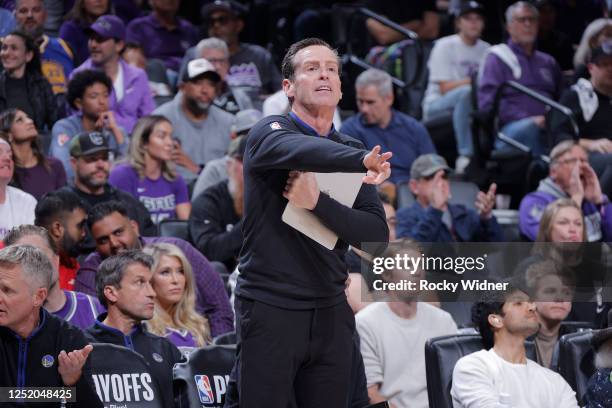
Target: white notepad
(342, 187)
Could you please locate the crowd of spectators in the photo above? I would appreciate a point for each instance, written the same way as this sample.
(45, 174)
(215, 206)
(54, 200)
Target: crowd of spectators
(117, 117)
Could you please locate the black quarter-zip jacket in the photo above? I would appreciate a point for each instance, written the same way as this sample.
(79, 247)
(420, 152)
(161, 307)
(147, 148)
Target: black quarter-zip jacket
(278, 264)
(33, 362)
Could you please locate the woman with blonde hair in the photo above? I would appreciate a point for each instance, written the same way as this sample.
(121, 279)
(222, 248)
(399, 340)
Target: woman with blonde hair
(175, 315)
(148, 173)
(562, 240)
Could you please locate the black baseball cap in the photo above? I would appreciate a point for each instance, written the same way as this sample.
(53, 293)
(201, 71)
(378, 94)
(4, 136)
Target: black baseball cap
(470, 7)
(86, 143)
(603, 51)
(231, 6)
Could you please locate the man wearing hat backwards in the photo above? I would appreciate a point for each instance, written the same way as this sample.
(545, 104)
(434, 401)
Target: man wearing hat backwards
(433, 219)
(130, 98)
(201, 129)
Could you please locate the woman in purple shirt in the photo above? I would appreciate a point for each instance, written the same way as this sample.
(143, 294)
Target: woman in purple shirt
(148, 173)
(77, 21)
(175, 314)
(34, 173)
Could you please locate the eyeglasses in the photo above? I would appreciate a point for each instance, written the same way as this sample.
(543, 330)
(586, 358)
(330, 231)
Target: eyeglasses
(572, 160)
(218, 60)
(223, 20)
(526, 19)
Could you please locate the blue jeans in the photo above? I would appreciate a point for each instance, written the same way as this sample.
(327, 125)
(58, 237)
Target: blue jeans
(524, 131)
(457, 102)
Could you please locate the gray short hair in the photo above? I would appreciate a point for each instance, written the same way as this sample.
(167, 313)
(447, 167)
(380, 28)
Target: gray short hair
(211, 42)
(35, 265)
(377, 78)
(111, 270)
(25, 230)
(518, 5)
(561, 148)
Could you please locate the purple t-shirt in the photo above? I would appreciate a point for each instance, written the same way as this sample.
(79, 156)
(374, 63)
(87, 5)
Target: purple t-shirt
(80, 309)
(180, 338)
(160, 196)
(38, 180)
(161, 43)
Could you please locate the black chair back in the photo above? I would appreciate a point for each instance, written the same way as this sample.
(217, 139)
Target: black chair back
(225, 339)
(174, 228)
(576, 360)
(441, 355)
(202, 380)
(122, 376)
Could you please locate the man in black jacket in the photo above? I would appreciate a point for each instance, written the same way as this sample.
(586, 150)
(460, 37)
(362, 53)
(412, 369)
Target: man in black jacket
(38, 349)
(215, 223)
(294, 326)
(124, 286)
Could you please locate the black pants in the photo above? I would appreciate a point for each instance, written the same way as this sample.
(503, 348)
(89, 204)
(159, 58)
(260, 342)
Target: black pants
(291, 357)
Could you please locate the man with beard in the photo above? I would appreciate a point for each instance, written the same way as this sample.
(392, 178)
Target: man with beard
(76, 308)
(63, 215)
(502, 374)
(90, 162)
(115, 233)
(56, 57)
(202, 130)
(88, 94)
(395, 372)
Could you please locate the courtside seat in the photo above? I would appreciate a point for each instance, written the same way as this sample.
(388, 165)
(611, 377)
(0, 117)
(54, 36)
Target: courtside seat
(202, 380)
(441, 355)
(111, 365)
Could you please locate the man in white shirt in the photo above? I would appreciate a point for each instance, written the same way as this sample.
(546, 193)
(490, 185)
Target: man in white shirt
(393, 336)
(502, 374)
(452, 62)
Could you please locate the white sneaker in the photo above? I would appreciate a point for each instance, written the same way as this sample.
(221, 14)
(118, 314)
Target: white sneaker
(461, 164)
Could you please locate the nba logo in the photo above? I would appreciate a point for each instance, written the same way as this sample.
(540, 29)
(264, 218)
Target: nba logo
(204, 389)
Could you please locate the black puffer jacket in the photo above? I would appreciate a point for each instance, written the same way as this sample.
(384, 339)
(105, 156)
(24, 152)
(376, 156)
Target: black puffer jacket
(41, 98)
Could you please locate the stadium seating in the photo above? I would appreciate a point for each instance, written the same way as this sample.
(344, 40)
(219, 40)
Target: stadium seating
(121, 375)
(225, 339)
(576, 360)
(202, 380)
(441, 355)
(174, 228)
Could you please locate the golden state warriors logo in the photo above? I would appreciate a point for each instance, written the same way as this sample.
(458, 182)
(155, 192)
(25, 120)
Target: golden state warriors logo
(47, 360)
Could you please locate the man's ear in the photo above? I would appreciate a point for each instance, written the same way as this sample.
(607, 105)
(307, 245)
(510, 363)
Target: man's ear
(134, 225)
(288, 88)
(389, 99)
(495, 321)
(73, 163)
(56, 229)
(239, 25)
(414, 186)
(110, 293)
(78, 103)
(40, 295)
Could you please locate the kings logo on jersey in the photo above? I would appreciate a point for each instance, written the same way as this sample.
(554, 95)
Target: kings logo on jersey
(204, 389)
